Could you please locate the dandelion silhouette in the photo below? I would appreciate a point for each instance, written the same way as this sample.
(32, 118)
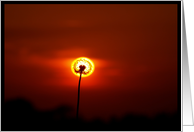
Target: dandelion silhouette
(89, 66)
(81, 66)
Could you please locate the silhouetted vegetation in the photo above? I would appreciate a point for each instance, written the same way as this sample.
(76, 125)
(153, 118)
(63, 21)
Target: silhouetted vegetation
(20, 115)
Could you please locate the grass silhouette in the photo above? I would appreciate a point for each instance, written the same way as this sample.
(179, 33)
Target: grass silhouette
(19, 115)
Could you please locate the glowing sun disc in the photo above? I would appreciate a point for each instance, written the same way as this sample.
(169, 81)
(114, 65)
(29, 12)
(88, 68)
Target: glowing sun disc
(82, 61)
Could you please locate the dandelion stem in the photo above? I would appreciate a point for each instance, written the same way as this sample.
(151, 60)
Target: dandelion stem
(78, 95)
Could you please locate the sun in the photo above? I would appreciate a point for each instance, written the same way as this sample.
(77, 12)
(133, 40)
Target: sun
(89, 66)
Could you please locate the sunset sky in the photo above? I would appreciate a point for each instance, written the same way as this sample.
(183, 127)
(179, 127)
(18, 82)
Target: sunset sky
(133, 47)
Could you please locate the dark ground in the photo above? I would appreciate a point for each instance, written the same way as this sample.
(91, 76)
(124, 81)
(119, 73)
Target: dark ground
(19, 115)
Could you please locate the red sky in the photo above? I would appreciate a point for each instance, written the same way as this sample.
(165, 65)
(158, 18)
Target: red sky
(133, 47)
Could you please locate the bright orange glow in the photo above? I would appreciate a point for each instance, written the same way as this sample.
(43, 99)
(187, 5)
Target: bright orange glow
(82, 61)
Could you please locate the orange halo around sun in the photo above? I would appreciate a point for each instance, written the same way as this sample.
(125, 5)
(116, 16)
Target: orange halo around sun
(82, 61)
